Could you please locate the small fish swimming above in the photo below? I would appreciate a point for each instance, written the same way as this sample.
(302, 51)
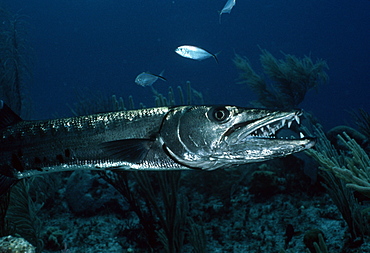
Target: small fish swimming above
(227, 8)
(147, 79)
(157, 139)
(195, 53)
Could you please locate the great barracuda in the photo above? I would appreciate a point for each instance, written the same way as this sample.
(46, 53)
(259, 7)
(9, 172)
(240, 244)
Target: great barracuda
(162, 138)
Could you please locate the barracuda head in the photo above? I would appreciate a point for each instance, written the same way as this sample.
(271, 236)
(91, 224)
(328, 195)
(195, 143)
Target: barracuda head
(211, 137)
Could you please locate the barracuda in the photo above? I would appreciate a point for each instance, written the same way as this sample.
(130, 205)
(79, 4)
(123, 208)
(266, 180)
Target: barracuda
(162, 138)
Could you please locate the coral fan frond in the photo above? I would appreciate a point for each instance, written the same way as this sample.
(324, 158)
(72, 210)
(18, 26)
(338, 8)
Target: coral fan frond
(291, 78)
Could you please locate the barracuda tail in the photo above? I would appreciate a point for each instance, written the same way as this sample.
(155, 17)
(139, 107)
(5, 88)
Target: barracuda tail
(7, 118)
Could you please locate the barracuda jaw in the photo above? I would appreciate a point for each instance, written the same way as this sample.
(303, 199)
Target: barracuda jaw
(256, 140)
(266, 128)
(223, 136)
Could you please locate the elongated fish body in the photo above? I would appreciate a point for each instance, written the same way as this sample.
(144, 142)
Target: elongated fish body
(147, 79)
(33, 147)
(227, 8)
(195, 53)
(163, 138)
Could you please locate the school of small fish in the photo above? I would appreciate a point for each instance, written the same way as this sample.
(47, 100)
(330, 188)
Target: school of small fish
(187, 51)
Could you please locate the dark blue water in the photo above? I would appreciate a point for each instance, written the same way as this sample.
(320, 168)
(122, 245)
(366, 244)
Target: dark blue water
(103, 45)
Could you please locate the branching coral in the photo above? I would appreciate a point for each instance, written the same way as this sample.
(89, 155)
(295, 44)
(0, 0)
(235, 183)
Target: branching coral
(5, 229)
(343, 171)
(88, 102)
(17, 209)
(164, 217)
(354, 168)
(291, 79)
(122, 181)
(172, 212)
(22, 213)
(14, 62)
(362, 120)
(191, 96)
(319, 246)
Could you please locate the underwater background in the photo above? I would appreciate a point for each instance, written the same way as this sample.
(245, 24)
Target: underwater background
(101, 46)
(92, 49)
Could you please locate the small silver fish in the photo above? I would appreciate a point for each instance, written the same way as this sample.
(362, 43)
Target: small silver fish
(195, 53)
(147, 79)
(227, 8)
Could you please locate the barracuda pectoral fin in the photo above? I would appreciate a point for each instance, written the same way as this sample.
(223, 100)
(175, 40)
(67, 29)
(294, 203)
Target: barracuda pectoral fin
(130, 150)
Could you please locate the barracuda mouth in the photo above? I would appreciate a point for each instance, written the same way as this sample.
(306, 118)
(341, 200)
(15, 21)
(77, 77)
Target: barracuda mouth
(231, 136)
(277, 126)
(270, 130)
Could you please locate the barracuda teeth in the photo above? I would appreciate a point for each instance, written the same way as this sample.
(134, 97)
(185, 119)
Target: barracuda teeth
(301, 135)
(283, 121)
(296, 117)
(270, 130)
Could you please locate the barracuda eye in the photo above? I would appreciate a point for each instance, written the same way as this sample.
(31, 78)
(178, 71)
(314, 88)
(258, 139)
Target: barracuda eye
(219, 114)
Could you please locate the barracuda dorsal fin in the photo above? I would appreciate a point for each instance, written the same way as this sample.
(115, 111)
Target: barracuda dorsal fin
(7, 116)
(130, 150)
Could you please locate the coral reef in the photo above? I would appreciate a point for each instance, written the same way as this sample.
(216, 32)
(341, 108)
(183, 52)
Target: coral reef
(345, 172)
(264, 183)
(172, 210)
(333, 134)
(10, 244)
(5, 228)
(17, 209)
(164, 217)
(87, 194)
(23, 214)
(291, 79)
(362, 120)
(311, 239)
(354, 167)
